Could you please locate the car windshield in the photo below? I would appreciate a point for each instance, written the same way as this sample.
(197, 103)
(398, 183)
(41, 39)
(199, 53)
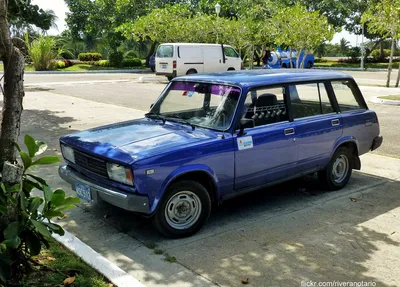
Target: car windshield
(199, 104)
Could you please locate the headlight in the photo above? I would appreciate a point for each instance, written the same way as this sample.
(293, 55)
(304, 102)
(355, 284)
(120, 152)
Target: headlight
(120, 173)
(68, 153)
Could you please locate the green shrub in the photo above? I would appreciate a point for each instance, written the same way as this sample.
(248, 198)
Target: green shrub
(25, 219)
(68, 55)
(59, 65)
(103, 63)
(42, 52)
(116, 58)
(376, 54)
(130, 54)
(89, 56)
(135, 62)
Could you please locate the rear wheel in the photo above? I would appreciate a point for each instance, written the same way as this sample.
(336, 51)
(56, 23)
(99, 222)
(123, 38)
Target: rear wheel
(170, 78)
(191, 71)
(231, 69)
(309, 65)
(338, 172)
(183, 210)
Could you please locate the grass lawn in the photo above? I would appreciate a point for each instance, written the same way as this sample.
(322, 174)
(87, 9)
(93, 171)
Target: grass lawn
(347, 65)
(57, 264)
(390, 97)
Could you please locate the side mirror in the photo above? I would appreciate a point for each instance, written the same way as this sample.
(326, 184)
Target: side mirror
(151, 106)
(244, 124)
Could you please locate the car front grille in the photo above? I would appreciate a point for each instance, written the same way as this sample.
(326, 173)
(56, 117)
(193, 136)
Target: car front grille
(90, 163)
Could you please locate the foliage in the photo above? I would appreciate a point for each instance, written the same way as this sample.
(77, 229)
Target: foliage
(133, 62)
(130, 54)
(103, 63)
(43, 52)
(59, 65)
(92, 56)
(116, 58)
(31, 228)
(320, 60)
(376, 54)
(354, 53)
(301, 22)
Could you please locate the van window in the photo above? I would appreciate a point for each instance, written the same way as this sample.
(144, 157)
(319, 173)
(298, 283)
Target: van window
(309, 100)
(165, 51)
(230, 52)
(266, 106)
(345, 92)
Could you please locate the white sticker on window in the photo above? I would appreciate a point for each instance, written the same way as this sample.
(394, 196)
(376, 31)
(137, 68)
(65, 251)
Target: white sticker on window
(245, 142)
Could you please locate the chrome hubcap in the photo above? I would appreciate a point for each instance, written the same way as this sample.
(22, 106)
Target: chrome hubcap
(340, 169)
(183, 210)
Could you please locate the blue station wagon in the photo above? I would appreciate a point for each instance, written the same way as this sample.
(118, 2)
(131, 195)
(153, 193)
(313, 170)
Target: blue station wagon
(211, 137)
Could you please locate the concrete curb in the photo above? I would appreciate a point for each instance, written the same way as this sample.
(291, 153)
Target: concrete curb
(141, 71)
(378, 100)
(151, 79)
(111, 271)
(352, 69)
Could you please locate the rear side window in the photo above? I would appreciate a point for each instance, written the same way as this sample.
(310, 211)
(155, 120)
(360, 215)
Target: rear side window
(266, 106)
(346, 95)
(165, 51)
(309, 100)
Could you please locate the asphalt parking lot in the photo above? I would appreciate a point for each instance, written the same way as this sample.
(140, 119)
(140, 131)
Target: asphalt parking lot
(277, 237)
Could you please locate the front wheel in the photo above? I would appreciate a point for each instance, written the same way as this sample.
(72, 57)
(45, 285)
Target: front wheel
(183, 210)
(338, 172)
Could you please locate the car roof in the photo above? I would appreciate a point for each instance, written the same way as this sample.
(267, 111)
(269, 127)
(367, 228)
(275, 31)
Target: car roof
(265, 77)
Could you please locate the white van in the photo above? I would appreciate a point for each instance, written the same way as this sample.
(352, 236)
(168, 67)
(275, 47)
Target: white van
(177, 59)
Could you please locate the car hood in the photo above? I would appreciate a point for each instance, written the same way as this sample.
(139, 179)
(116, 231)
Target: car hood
(130, 141)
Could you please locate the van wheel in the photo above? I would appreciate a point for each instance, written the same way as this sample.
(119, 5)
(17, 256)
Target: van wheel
(309, 65)
(170, 78)
(231, 69)
(338, 172)
(183, 210)
(284, 66)
(191, 71)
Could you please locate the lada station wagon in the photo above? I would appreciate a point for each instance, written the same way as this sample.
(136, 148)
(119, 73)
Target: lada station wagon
(212, 137)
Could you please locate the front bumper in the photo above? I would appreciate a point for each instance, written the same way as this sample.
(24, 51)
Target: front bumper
(377, 142)
(124, 200)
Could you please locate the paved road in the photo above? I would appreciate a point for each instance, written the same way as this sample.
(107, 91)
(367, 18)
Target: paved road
(275, 237)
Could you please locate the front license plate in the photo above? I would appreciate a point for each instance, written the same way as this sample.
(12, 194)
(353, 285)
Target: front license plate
(83, 192)
(163, 66)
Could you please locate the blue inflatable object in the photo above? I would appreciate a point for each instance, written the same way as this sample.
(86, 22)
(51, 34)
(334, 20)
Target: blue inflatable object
(281, 59)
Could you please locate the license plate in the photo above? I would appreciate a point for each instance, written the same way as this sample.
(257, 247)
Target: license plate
(83, 192)
(163, 66)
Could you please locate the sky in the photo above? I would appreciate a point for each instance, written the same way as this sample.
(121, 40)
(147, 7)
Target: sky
(60, 8)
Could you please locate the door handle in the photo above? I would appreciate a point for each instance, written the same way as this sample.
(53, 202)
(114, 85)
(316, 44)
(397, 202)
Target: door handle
(368, 123)
(289, 131)
(335, 122)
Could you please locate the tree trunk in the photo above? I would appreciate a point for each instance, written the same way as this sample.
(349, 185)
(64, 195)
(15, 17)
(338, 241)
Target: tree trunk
(290, 59)
(13, 90)
(398, 77)
(151, 52)
(390, 63)
(382, 52)
(304, 59)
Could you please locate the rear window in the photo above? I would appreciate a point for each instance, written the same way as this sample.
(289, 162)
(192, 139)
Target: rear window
(165, 51)
(347, 96)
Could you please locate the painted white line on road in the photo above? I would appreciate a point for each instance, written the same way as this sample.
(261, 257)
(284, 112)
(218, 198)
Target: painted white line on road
(111, 271)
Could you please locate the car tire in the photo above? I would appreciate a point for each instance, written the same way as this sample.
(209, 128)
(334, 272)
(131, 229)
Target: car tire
(170, 78)
(183, 210)
(152, 69)
(338, 171)
(309, 65)
(191, 71)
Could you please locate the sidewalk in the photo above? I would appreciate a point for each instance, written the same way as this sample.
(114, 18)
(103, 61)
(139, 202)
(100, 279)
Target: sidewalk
(277, 237)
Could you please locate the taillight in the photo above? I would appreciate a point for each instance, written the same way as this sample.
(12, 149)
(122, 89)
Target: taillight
(174, 64)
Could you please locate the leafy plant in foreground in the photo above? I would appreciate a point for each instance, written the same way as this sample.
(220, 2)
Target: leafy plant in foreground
(25, 219)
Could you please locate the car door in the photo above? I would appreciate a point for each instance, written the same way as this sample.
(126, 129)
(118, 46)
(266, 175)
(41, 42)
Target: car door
(266, 152)
(317, 122)
(232, 59)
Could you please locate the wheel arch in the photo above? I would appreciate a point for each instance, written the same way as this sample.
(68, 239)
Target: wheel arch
(191, 71)
(350, 143)
(231, 69)
(199, 173)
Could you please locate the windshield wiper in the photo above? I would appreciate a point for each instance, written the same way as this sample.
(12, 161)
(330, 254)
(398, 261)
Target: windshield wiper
(155, 116)
(180, 119)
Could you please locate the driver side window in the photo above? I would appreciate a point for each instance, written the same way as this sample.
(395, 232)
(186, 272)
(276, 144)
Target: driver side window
(266, 106)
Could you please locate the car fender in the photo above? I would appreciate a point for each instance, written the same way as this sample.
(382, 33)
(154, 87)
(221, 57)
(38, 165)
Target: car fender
(180, 172)
(349, 139)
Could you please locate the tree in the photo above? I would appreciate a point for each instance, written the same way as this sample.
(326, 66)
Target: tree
(344, 46)
(384, 18)
(304, 31)
(13, 91)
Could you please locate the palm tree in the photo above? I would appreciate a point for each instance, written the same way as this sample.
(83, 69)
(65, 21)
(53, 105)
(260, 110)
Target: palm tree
(344, 46)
